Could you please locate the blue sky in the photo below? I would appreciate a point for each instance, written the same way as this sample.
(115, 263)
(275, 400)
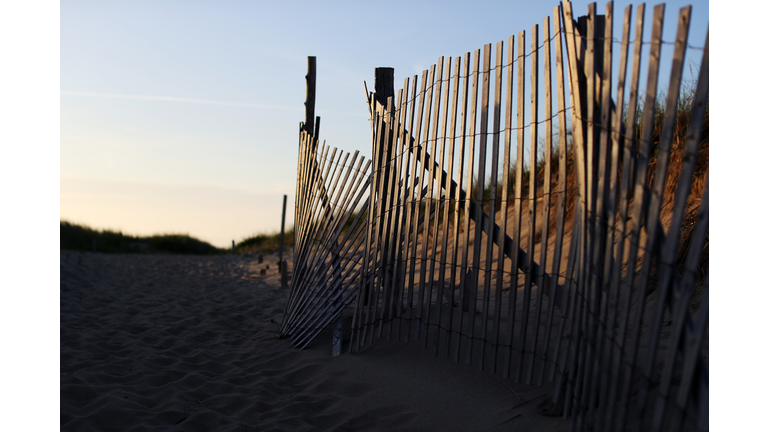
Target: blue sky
(182, 116)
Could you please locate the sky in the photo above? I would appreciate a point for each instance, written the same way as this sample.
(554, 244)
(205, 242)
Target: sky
(182, 116)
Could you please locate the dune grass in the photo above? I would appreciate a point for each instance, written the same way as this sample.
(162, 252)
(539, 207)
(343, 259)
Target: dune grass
(84, 238)
(264, 243)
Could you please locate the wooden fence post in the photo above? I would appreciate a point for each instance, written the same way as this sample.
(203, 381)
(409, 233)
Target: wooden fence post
(338, 326)
(384, 86)
(309, 104)
(281, 263)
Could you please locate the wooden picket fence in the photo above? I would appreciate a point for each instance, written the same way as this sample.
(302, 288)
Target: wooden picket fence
(561, 270)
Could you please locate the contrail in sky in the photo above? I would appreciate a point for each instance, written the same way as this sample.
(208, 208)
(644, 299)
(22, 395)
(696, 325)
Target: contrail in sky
(176, 99)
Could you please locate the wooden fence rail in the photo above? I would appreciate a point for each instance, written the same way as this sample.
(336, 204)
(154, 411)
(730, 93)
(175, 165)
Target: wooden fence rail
(580, 268)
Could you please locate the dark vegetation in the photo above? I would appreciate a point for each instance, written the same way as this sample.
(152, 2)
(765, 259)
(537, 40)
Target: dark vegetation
(264, 243)
(84, 238)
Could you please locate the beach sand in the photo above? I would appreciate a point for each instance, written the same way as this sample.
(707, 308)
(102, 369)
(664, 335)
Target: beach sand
(161, 342)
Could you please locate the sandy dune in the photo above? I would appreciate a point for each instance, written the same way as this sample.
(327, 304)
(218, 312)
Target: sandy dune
(157, 342)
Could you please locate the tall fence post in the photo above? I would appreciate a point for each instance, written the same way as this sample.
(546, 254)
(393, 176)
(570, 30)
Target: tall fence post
(281, 264)
(309, 104)
(384, 89)
(384, 86)
(338, 326)
(312, 127)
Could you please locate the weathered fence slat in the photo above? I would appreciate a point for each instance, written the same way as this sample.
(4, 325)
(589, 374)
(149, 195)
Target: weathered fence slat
(471, 289)
(374, 220)
(384, 196)
(446, 214)
(576, 255)
(460, 242)
(365, 299)
(517, 211)
(451, 205)
(405, 222)
(392, 220)
(533, 146)
(491, 197)
(427, 208)
(562, 184)
(402, 182)
(417, 177)
(600, 295)
(613, 294)
(385, 151)
(438, 203)
(545, 211)
(626, 181)
(501, 263)
(593, 61)
(479, 198)
(395, 160)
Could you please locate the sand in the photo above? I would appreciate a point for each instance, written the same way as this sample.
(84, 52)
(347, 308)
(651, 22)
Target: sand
(162, 342)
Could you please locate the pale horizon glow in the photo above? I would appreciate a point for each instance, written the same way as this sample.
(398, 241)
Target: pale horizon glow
(144, 209)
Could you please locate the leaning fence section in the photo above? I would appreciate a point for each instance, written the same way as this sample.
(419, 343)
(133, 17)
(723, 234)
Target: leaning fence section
(553, 264)
(331, 197)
